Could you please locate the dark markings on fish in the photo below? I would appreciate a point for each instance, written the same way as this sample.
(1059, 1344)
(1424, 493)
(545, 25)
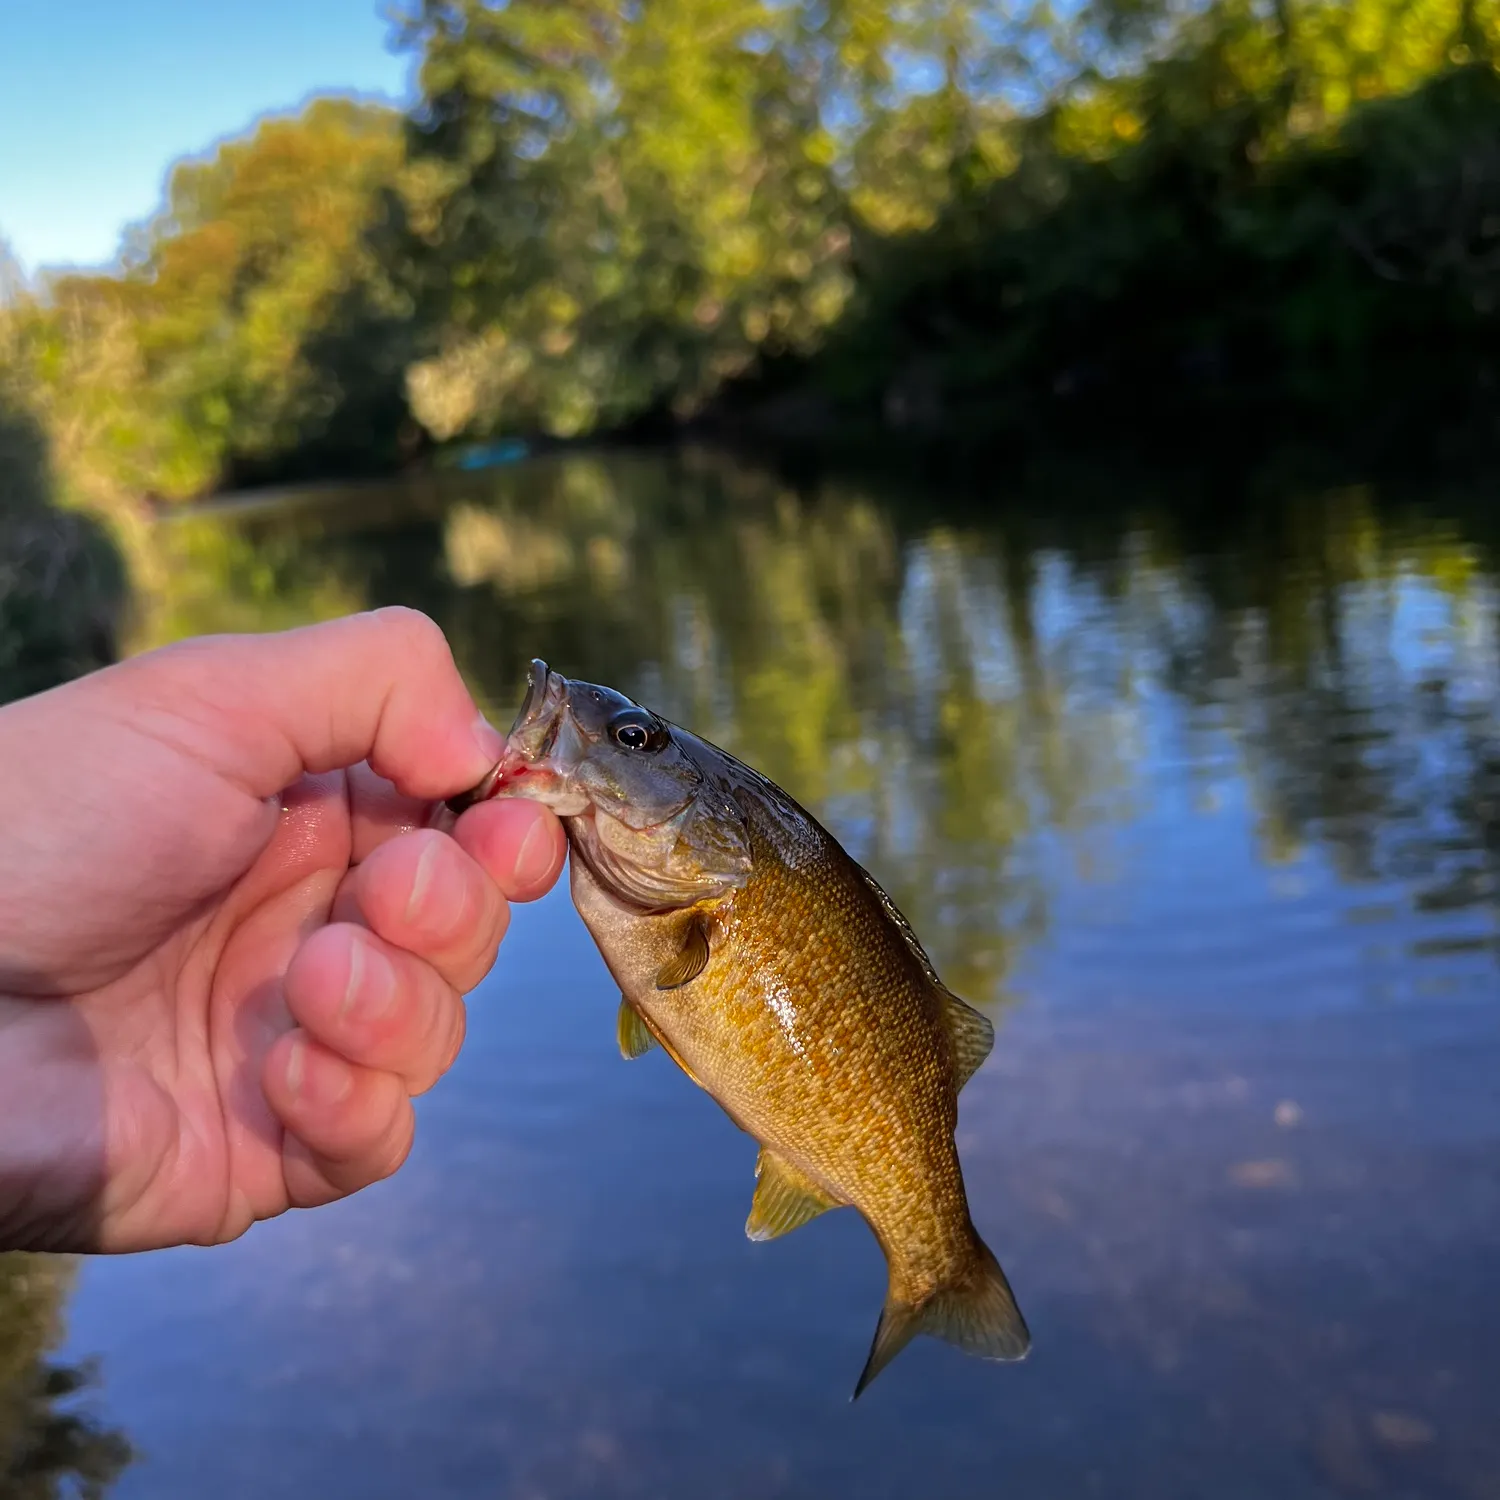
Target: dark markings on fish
(632, 1033)
(785, 1199)
(689, 963)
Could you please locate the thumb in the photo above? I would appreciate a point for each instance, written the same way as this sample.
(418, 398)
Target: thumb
(263, 710)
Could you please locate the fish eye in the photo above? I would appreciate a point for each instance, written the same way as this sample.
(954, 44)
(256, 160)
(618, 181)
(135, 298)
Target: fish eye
(635, 729)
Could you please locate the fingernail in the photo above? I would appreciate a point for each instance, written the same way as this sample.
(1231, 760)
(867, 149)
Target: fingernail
(534, 857)
(317, 1077)
(437, 889)
(489, 739)
(371, 986)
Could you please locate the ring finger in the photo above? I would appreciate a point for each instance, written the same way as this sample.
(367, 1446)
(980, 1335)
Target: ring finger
(375, 1004)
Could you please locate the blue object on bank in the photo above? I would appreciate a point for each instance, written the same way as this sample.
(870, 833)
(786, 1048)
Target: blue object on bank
(489, 455)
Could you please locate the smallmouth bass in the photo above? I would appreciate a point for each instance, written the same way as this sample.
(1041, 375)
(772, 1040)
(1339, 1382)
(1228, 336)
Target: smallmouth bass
(781, 979)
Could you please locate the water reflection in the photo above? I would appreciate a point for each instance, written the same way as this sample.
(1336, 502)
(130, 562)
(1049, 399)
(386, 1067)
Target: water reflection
(944, 693)
(1205, 798)
(49, 1446)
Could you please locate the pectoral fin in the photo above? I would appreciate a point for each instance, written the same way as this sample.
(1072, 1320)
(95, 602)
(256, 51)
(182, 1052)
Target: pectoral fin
(632, 1033)
(690, 962)
(785, 1199)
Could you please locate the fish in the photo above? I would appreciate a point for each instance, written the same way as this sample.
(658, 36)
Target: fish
(778, 975)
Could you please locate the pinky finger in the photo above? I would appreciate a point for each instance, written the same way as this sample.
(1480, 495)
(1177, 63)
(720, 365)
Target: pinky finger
(346, 1126)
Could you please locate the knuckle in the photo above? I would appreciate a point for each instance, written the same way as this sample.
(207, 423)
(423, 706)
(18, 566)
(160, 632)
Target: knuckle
(399, 1146)
(478, 968)
(418, 633)
(435, 1023)
(450, 1044)
(433, 1053)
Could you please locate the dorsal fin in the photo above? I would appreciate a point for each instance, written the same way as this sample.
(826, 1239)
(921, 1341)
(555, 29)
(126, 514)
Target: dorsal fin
(898, 919)
(970, 1034)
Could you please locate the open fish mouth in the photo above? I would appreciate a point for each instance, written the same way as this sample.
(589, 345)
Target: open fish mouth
(545, 690)
(532, 737)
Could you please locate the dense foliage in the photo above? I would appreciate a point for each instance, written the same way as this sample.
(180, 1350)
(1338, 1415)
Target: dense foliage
(880, 213)
(1249, 234)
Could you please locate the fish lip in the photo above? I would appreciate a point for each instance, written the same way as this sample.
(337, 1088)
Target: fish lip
(546, 691)
(533, 736)
(539, 688)
(542, 718)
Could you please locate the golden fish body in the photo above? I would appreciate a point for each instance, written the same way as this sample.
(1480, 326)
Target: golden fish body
(784, 981)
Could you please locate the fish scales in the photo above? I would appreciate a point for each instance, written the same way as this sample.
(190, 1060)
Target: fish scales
(784, 981)
(823, 1039)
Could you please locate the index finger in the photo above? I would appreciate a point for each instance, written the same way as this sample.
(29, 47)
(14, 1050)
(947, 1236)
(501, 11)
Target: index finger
(264, 710)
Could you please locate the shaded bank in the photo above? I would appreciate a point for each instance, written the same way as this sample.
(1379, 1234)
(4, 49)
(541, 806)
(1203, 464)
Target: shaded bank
(63, 584)
(1347, 290)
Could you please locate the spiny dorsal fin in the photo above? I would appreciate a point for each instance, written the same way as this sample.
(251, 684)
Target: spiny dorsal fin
(785, 1199)
(898, 920)
(978, 1314)
(970, 1034)
(632, 1033)
(689, 963)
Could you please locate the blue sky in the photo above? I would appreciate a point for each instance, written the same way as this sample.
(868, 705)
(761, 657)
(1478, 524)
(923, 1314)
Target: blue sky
(98, 98)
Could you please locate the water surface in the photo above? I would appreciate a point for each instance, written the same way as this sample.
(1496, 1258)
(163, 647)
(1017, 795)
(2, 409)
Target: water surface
(1201, 803)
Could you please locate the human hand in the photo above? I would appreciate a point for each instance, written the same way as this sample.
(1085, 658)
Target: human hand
(230, 950)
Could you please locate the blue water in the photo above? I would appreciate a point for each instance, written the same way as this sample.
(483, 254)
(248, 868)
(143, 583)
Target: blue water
(1210, 827)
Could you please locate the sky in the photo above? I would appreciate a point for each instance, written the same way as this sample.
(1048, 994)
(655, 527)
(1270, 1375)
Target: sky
(98, 98)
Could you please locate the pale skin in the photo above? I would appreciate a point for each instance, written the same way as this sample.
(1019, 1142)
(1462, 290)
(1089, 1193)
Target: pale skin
(231, 950)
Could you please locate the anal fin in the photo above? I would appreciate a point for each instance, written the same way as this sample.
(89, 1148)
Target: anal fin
(785, 1199)
(632, 1033)
(691, 961)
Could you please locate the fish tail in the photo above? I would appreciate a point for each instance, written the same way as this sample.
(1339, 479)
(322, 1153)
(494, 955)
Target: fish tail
(976, 1312)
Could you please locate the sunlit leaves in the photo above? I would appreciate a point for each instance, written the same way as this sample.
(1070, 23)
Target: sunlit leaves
(211, 348)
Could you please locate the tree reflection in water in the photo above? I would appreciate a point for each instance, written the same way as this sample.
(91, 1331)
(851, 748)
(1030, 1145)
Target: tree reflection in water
(49, 1445)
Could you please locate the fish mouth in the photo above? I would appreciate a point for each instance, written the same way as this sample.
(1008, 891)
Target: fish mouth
(539, 750)
(544, 691)
(537, 720)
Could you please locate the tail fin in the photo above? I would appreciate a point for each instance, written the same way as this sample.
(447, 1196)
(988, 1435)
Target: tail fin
(978, 1314)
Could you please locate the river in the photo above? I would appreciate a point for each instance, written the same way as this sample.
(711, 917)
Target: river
(1197, 795)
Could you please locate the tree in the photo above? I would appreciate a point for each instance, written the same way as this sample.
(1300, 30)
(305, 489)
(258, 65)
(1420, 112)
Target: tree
(12, 277)
(619, 205)
(234, 292)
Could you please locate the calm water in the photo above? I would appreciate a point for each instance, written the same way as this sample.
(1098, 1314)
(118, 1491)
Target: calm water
(1207, 814)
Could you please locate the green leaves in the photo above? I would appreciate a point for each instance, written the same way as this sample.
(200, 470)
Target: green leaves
(604, 212)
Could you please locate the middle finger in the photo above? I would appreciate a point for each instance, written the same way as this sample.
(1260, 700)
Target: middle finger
(422, 892)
